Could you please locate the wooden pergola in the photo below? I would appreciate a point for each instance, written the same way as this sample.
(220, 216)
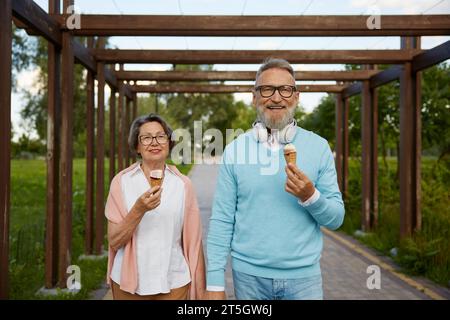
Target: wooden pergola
(64, 50)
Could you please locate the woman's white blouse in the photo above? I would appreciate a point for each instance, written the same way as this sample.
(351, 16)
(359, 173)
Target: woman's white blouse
(159, 255)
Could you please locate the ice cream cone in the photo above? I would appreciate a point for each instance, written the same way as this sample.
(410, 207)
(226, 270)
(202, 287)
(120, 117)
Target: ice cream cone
(290, 154)
(291, 157)
(156, 178)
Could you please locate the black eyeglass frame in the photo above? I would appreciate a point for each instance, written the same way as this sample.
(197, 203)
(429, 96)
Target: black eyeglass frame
(293, 88)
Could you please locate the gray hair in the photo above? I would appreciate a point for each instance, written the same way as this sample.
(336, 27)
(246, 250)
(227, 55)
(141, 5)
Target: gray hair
(133, 136)
(271, 63)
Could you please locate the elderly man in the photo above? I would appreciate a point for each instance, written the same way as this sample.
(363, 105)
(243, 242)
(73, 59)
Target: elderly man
(270, 219)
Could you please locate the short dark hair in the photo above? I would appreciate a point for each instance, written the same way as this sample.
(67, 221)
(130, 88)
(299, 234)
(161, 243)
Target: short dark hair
(133, 137)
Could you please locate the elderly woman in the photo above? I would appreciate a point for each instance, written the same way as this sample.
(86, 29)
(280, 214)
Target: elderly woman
(154, 233)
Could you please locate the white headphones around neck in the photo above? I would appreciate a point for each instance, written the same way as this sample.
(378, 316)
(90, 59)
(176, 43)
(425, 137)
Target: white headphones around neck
(285, 135)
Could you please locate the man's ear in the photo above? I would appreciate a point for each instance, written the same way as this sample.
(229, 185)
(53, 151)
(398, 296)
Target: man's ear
(254, 98)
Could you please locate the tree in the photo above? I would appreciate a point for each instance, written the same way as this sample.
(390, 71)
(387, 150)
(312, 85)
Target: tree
(322, 119)
(434, 113)
(34, 112)
(21, 48)
(436, 109)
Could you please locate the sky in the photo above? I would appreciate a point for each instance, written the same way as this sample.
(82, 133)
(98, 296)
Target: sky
(26, 78)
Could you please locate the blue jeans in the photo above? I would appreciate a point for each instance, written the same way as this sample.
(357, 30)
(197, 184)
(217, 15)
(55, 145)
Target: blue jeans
(248, 287)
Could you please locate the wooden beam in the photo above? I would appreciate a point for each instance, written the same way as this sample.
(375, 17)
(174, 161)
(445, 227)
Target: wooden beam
(410, 146)
(83, 56)
(100, 172)
(420, 62)
(346, 144)
(126, 130)
(369, 166)
(29, 13)
(225, 88)
(53, 149)
(5, 141)
(90, 132)
(112, 134)
(239, 75)
(253, 56)
(339, 144)
(133, 117)
(243, 26)
(65, 217)
(385, 77)
(431, 57)
(121, 133)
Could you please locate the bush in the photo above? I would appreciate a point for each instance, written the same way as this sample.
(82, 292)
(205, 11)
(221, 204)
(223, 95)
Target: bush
(427, 252)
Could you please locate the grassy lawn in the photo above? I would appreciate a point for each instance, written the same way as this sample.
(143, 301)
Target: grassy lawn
(27, 229)
(427, 253)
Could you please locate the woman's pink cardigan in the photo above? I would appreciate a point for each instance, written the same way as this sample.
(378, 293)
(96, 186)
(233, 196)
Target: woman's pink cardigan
(115, 211)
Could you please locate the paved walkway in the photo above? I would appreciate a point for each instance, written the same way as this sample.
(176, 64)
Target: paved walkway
(344, 261)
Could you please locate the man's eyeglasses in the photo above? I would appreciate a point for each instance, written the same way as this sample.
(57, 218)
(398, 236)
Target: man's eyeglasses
(148, 140)
(268, 91)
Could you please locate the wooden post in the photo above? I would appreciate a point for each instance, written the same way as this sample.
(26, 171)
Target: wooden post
(5, 141)
(374, 158)
(369, 129)
(99, 212)
(342, 143)
(112, 134)
(65, 218)
(121, 117)
(53, 128)
(134, 115)
(339, 142)
(126, 130)
(90, 124)
(345, 142)
(410, 145)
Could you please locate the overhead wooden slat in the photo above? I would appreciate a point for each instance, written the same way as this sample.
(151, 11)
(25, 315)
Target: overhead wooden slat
(419, 62)
(431, 57)
(225, 88)
(34, 17)
(311, 25)
(253, 56)
(239, 75)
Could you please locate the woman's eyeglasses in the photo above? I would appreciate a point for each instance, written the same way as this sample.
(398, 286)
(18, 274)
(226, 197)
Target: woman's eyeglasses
(147, 140)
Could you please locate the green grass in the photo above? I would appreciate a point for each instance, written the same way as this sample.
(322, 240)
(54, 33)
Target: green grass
(427, 252)
(27, 229)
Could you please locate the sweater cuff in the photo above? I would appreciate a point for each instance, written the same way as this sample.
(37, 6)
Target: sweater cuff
(215, 279)
(215, 288)
(318, 205)
(311, 199)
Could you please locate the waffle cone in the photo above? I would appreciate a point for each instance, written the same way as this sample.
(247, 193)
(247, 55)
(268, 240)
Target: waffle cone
(155, 182)
(291, 157)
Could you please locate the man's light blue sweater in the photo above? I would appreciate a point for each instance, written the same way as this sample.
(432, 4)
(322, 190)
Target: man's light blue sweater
(270, 234)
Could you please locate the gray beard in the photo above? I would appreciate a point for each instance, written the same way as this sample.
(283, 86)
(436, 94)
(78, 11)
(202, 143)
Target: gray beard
(278, 124)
